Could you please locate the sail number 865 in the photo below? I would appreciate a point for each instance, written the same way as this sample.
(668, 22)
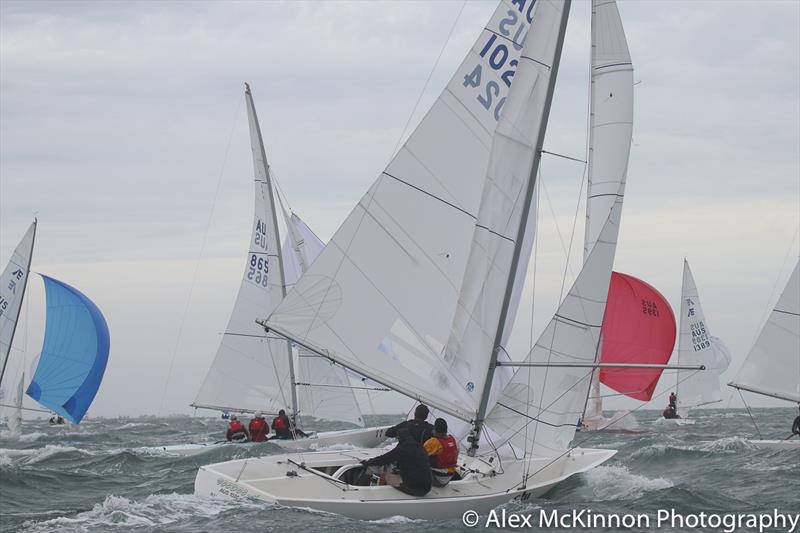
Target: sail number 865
(258, 269)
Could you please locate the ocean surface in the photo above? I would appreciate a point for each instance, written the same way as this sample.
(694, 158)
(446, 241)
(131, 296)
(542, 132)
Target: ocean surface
(101, 476)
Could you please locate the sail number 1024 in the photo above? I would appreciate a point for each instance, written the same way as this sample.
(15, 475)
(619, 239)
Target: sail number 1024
(496, 55)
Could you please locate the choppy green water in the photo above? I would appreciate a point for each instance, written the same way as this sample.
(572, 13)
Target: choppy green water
(100, 477)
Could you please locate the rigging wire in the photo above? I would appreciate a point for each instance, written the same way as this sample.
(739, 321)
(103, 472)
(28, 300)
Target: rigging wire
(193, 283)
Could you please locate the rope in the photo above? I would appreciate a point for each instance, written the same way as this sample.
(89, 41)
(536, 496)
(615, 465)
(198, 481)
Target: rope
(199, 257)
(749, 413)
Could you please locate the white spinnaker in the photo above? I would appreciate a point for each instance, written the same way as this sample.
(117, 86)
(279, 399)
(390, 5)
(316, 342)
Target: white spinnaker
(381, 297)
(696, 346)
(251, 369)
(323, 389)
(521, 123)
(12, 291)
(772, 367)
(539, 409)
(610, 132)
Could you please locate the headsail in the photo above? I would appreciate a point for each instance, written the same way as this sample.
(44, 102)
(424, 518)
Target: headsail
(380, 299)
(638, 327)
(251, 371)
(12, 291)
(772, 367)
(323, 388)
(74, 355)
(698, 347)
(14, 420)
(610, 133)
(540, 407)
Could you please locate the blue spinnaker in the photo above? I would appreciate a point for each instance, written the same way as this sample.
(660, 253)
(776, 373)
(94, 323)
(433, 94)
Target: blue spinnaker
(74, 355)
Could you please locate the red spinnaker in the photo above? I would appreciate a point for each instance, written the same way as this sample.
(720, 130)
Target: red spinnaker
(638, 327)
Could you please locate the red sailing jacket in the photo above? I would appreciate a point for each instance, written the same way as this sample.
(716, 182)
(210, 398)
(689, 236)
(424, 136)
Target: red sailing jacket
(258, 430)
(449, 455)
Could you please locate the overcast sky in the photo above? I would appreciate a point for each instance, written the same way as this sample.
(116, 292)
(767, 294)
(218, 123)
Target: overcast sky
(122, 126)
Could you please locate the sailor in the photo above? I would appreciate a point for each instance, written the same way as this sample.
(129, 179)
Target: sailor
(673, 401)
(283, 429)
(236, 431)
(258, 428)
(442, 450)
(418, 427)
(412, 463)
(796, 425)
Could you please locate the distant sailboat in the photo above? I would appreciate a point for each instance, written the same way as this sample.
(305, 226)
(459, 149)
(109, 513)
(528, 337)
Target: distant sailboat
(76, 345)
(696, 346)
(625, 319)
(256, 371)
(772, 368)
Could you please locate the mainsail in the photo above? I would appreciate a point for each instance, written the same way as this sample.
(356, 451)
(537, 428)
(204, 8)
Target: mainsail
(13, 283)
(610, 133)
(74, 354)
(696, 346)
(772, 367)
(382, 296)
(638, 327)
(251, 371)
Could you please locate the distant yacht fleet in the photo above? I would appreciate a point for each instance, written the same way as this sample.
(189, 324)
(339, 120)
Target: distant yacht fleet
(416, 295)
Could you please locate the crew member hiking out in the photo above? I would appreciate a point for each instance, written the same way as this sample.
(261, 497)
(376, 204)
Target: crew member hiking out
(236, 431)
(442, 450)
(412, 463)
(420, 429)
(796, 425)
(259, 429)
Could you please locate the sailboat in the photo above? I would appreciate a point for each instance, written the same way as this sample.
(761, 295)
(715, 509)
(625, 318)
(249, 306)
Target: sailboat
(76, 345)
(254, 370)
(632, 332)
(418, 290)
(696, 346)
(772, 368)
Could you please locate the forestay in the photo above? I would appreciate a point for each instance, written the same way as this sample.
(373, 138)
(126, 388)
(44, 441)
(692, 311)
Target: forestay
(74, 354)
(12, 291)
(251, 369)
(696, 347)
(773, 365)
(382, 296)
(610, 132)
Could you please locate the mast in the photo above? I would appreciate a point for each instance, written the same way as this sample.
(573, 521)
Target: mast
(537, 155)
(278, 250)
(21, 301)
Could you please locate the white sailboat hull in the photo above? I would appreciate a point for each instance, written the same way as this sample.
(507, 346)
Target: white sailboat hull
(359, 438)
(792, 444)
(313, 481)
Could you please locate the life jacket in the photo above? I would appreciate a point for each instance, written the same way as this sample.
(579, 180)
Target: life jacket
(449, 454)
(235, 426)
(258, 429)
(279, 423)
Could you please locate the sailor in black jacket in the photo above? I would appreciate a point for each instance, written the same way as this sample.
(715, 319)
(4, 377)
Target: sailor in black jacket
(418, 427)
(412, 461)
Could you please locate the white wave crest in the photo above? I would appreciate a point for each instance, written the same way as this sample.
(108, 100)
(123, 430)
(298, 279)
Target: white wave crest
(154, 511)
(727, 444)
(617, 483)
